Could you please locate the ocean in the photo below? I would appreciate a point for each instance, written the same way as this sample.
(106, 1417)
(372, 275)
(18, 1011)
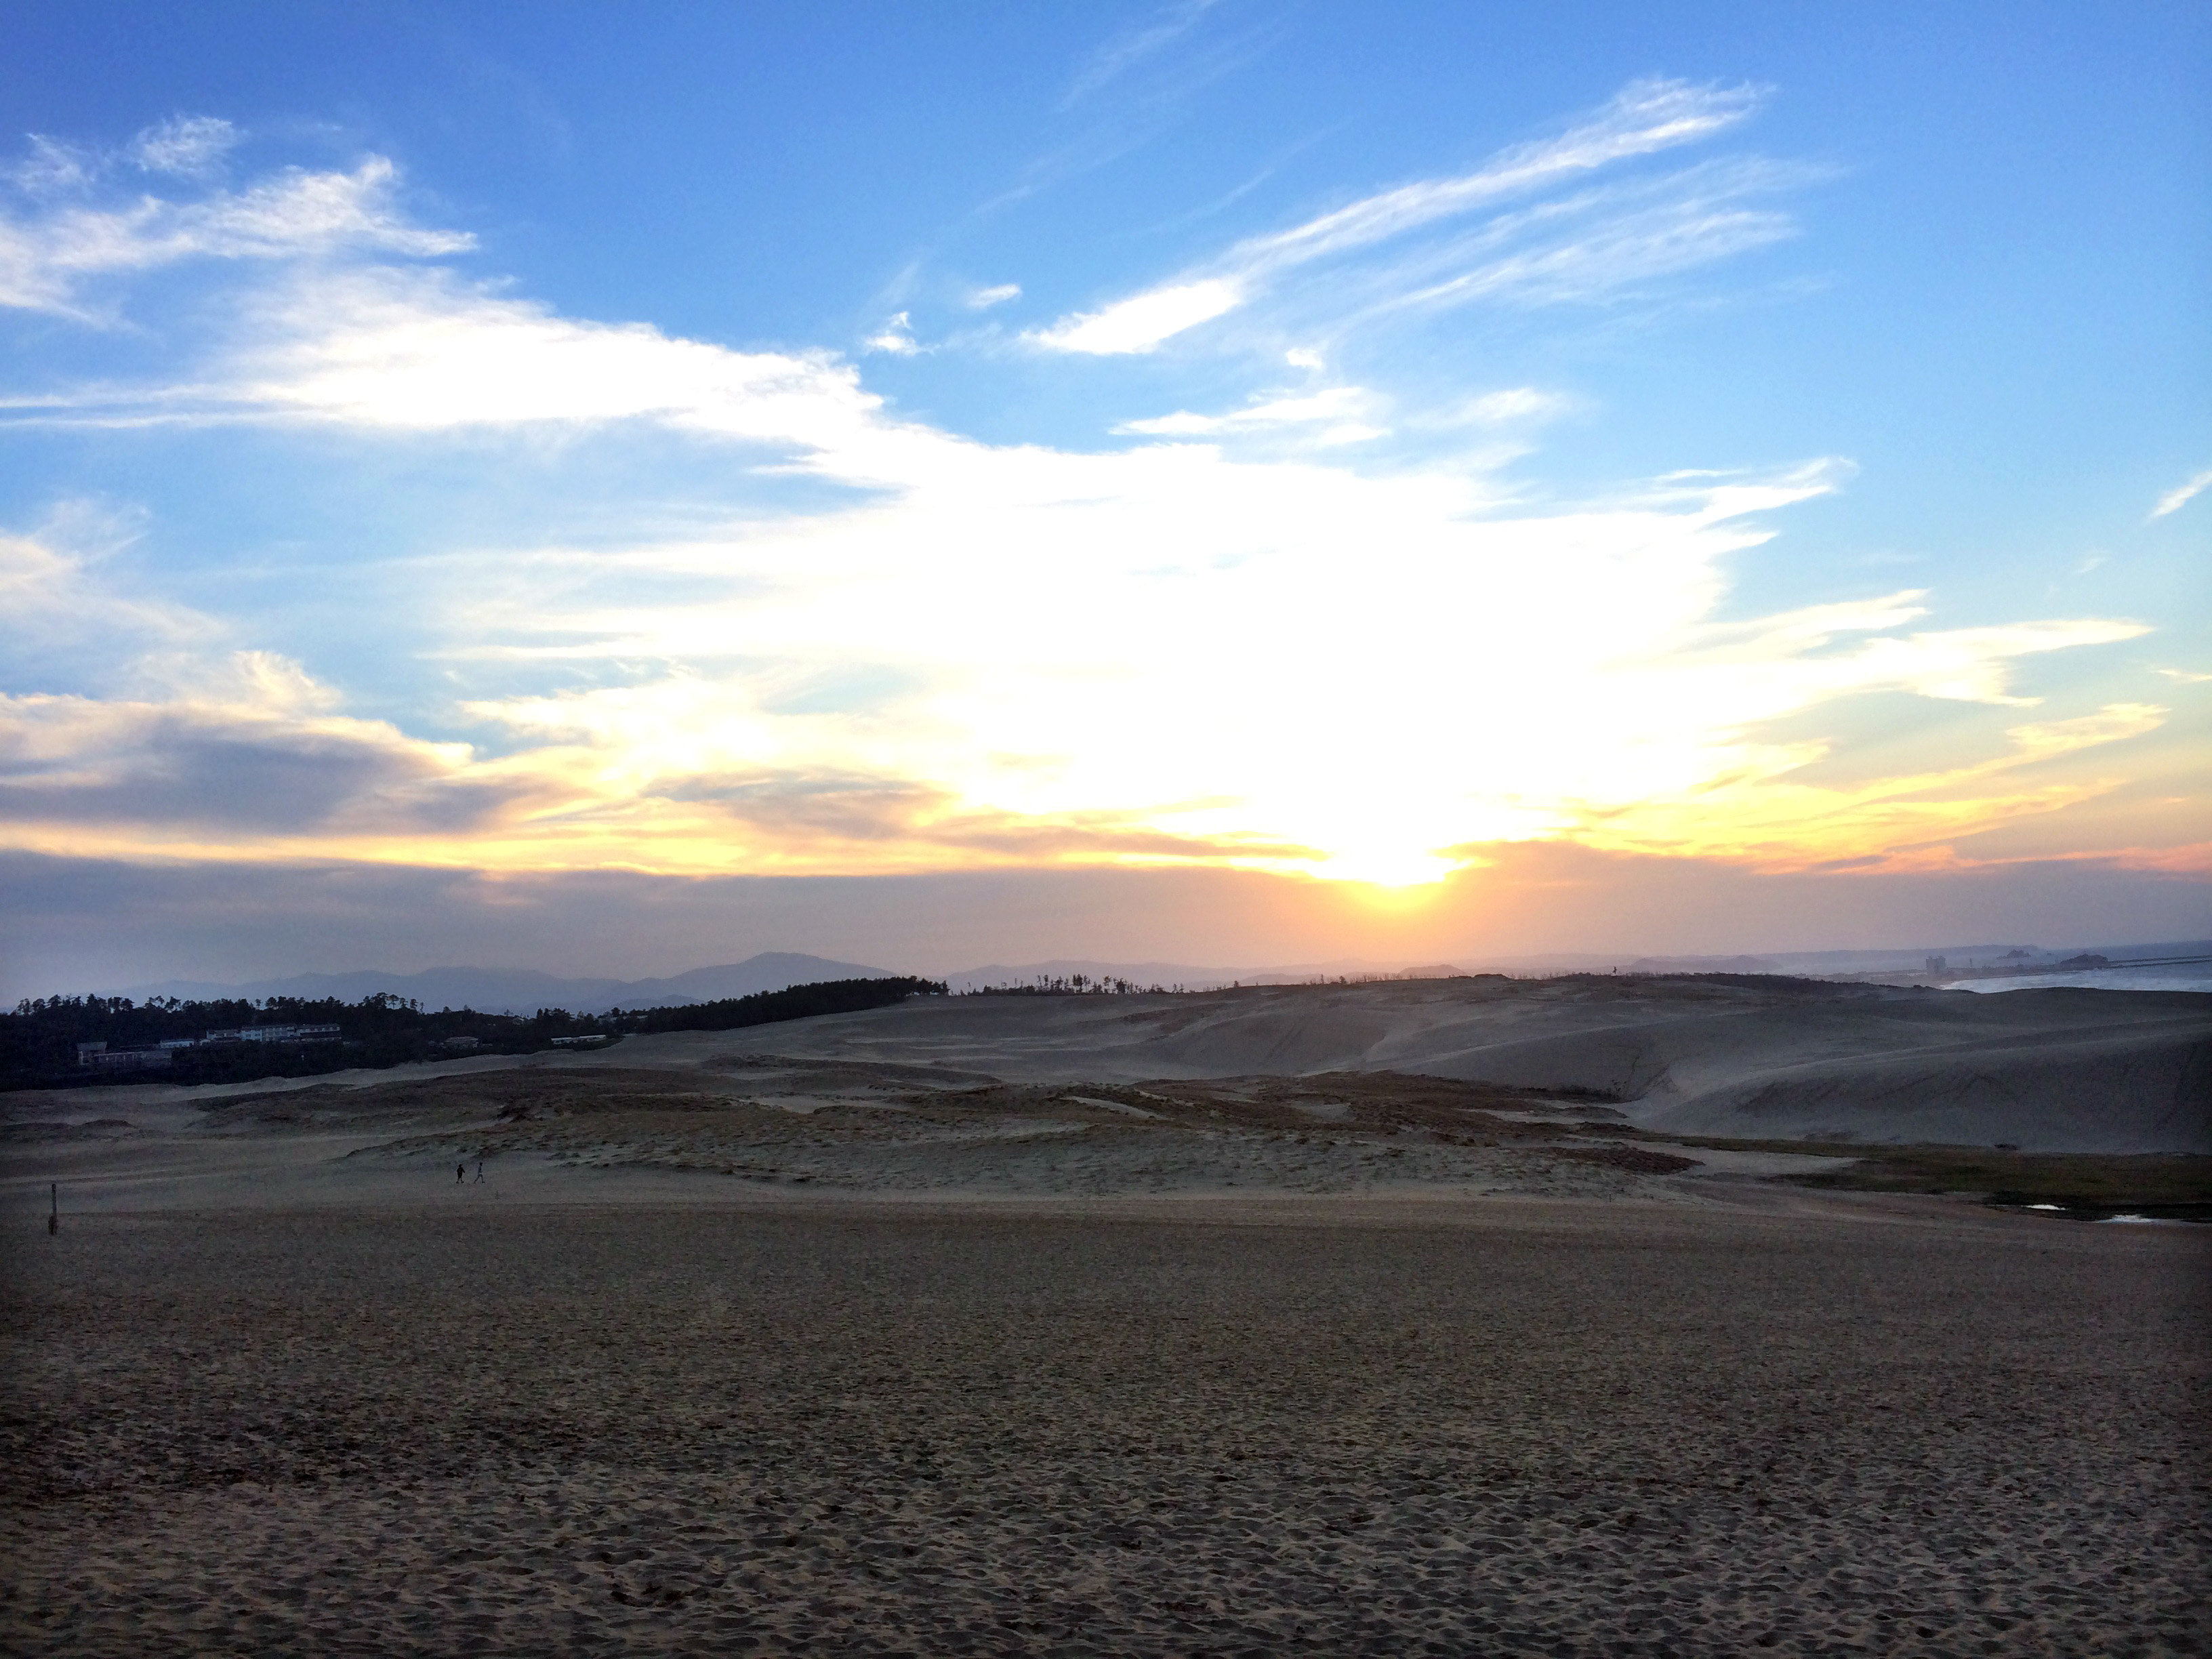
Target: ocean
(2179, 977)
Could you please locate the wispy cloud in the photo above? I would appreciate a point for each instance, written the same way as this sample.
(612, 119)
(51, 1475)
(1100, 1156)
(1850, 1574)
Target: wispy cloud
(1514, 405)
(1338, 414)
(187, 146)
(1143, 320)
(48, 256)
(983, 298)
(1132, 46)
(1155, 71)
(51, 167)
(1700, 218)
(2181, 494)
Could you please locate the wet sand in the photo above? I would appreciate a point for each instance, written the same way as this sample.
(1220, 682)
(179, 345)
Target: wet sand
(478, 1422)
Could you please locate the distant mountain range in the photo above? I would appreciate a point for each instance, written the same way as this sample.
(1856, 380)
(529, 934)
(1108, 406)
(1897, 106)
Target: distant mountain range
(521, 991)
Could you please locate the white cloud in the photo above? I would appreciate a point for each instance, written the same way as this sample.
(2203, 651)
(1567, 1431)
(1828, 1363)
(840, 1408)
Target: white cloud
(1350, 414)
(188, 145)
(1645, 118)
(1336, 405)
(2187, 677)
(418, 349)
(2178, 497)
(1140, 323)
(897, 336)
(983, 298)
(46, 258)
(1300, 357)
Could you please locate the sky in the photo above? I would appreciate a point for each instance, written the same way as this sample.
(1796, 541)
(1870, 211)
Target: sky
(615, 489)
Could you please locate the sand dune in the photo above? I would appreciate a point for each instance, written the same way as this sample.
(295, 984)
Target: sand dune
(2048, 1071)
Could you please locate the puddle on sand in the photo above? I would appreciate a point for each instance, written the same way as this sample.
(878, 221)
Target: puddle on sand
(2144, 1220)
(2176, 1215)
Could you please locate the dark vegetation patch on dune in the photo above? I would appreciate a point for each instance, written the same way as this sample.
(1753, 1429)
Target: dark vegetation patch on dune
(2178, 1187)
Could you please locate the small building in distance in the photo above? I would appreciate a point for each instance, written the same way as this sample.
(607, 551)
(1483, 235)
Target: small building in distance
(275, 1034)
(98, 1056)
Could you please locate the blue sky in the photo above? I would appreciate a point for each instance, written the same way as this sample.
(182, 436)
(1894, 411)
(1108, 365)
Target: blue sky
(875, 442)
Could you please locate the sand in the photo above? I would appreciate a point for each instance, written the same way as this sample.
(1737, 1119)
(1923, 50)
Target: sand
(486, 1424)
(1112, 1326)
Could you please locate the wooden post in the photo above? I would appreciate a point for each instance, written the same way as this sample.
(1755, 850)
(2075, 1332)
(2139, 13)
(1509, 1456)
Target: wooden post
(54, 1215)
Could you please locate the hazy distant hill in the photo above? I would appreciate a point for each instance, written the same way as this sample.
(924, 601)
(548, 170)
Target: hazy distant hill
(523, 991)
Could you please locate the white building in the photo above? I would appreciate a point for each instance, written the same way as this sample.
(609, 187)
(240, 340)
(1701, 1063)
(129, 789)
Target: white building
(276, 1034)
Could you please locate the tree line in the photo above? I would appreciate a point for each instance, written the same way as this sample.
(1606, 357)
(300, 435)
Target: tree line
(39, 1041)
(1073, 985)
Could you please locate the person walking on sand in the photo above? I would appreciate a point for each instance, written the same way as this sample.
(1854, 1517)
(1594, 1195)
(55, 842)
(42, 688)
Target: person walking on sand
(461, 1173)
(480, 1172)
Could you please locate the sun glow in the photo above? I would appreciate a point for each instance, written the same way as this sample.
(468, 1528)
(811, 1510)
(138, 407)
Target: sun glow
(1388, 867)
